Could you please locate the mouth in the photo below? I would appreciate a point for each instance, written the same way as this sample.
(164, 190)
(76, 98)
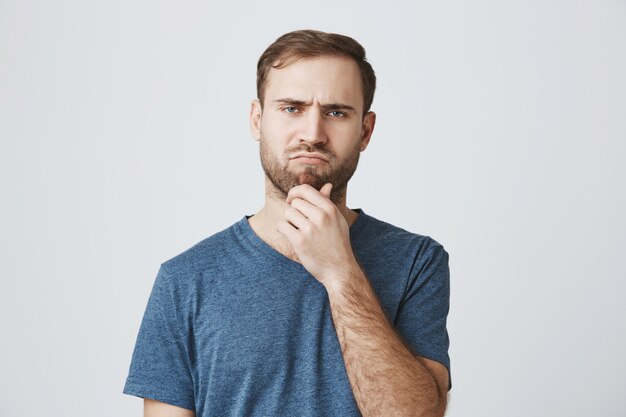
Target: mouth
(309, 158)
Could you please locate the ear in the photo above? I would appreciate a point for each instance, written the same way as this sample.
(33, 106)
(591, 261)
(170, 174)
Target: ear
(369, 121)
(255, 119)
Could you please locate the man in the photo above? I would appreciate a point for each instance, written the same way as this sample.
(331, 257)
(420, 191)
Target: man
(307, 308)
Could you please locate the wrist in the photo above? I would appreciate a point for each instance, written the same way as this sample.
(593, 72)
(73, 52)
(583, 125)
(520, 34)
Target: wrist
(340, 277)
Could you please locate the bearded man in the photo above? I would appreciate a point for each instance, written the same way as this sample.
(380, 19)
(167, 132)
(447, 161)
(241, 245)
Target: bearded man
(306, 308)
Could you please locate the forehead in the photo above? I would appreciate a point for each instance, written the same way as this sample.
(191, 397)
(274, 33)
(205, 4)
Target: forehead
(326, 79)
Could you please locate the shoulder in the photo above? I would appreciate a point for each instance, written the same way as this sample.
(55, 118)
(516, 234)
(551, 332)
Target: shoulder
(207, 254)
(392, 238)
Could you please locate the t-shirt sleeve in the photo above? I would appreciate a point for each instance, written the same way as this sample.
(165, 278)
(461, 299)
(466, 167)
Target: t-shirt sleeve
(422, 313)
(159, 367)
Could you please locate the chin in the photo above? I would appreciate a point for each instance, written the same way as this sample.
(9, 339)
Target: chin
(312, 180)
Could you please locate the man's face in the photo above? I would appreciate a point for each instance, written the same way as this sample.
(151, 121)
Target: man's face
(311, 128)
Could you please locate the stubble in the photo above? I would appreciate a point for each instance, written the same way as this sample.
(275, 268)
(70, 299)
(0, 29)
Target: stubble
(284, 175)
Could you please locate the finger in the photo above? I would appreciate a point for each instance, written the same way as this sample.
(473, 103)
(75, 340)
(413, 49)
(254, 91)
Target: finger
(298, 189)
(326, 188)
(297, 219)
(311, 212)
(284, 228)
(310, 194)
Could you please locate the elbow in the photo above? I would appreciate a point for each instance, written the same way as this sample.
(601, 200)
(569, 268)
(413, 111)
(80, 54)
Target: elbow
(435, 405)
(436, 411)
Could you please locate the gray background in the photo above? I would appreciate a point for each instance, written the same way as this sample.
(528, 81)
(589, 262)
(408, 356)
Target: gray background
(501, 128)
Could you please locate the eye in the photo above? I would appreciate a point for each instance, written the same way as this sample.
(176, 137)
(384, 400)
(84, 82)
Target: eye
(337, 114)
(290, 109)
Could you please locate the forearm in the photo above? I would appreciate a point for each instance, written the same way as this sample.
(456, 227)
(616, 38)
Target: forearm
(386, 377)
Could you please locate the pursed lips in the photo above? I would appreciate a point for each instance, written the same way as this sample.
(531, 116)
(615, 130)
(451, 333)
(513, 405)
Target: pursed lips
(310, 156)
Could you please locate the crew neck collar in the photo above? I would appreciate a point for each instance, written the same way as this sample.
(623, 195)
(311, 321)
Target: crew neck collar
(261, 248)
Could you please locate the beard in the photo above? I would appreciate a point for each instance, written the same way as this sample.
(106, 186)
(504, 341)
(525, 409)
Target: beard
(284, 178)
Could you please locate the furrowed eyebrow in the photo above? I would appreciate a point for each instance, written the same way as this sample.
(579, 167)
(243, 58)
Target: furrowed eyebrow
(292, 101)
(326, 107)
(338, 106)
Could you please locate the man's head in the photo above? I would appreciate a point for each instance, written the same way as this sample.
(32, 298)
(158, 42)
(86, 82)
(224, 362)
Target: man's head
(311, 118)
(299, 44)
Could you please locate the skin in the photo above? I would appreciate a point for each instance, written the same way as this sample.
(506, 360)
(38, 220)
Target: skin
(153, 408)
(315, 105)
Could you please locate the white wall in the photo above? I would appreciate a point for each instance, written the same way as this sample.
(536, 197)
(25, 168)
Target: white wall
(501, 129)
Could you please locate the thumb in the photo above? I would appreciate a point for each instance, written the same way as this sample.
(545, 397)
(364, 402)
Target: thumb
(325, 190)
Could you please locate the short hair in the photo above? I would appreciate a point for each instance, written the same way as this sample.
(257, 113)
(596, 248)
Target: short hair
(300, 44)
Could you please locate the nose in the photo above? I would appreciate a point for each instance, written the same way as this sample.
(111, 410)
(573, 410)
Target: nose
(313, 131)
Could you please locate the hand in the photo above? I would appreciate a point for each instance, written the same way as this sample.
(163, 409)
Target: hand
(318, 233)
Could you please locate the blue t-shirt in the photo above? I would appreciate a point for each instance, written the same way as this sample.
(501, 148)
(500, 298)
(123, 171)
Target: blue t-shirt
(234, 328)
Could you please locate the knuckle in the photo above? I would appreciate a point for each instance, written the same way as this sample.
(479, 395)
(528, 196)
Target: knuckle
(305, 228)
(291, 215)
(298, 239)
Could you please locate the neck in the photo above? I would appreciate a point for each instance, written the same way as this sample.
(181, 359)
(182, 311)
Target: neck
(264, 221)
